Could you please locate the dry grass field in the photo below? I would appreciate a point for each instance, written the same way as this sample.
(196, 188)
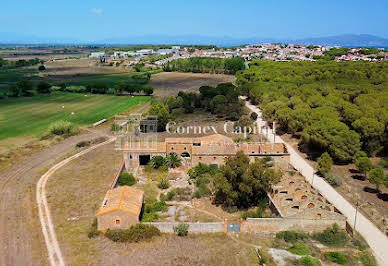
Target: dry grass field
(76, 190)
(170, 83)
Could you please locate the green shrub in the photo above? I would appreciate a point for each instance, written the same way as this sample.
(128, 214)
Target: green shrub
(309, 261)
(367, 260)
(164, 184)
(181, 229)
(170, 195)
(126, 179)
(149, 214)
(336, 257)
(136, 233)
(257, 213)
(359, 244)
(55, 88)
(43, 87)
(383, 163)
(76, 89)
(83, 143)
(93, 232)
(160, 206)
(63, 128)
(334, 180)
(202, 191)
(332, 236)
(299, 249)
(292, 236)
(149, 217)
(157, 161)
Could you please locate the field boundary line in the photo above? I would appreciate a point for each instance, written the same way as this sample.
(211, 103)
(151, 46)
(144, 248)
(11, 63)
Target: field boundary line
(52, 245)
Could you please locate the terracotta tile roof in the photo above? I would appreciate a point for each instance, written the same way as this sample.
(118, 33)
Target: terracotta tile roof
(124, 198)
(216, 138)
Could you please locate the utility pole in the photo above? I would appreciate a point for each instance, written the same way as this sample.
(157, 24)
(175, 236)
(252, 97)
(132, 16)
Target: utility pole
(274, 131)
(355, 217)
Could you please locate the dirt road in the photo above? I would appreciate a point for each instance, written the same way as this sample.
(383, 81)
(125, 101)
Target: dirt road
(21, 240)
(375, 238)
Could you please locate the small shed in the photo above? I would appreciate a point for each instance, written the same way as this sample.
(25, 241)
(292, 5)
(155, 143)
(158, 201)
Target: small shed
(120, 208)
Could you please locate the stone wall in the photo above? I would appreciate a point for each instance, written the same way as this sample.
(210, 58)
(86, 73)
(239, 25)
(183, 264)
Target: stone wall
(193, 227)
(274, 225)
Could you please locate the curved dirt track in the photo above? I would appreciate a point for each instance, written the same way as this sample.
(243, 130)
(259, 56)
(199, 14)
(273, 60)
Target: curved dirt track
(54, 252)
(21, 241)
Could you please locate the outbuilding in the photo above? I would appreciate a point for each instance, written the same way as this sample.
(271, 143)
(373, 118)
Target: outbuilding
(120, 208)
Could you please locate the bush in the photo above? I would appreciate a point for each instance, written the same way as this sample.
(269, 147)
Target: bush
(43, 87)
(367, 259)
(83, 143)
(41, 68)
(136, 233)
(170, 195)
(149, 217)
(126, 179)
(157, 161)
(336, 257)
(63, 128)
(55, 88)
(359, 244)
(291, 236)
(181, 229)
(258, 213)
(332, 236)
(299, 249)
(334, 180)
(76, 89)
(164, 184)
(309, 261)
(93, 232)
(149, 214)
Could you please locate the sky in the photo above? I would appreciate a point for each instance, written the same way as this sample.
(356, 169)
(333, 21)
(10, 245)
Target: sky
(88, 20)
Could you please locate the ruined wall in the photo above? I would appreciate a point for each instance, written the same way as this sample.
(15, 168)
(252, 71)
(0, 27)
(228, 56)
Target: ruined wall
(274, 225)
(193, 227)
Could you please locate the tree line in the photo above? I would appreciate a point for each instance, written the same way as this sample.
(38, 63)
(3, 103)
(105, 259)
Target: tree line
(19, 63)
(206, 65)
(335, 107)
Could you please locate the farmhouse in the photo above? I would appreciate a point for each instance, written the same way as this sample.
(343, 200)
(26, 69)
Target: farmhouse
(120, 208)
(213, 149)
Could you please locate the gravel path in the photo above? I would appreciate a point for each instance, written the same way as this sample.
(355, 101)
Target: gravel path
(375, 238)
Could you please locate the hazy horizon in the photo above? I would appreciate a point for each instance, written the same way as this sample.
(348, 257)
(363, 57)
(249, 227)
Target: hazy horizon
(91, 21)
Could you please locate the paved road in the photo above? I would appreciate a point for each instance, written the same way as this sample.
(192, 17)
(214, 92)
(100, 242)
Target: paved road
(375, 238)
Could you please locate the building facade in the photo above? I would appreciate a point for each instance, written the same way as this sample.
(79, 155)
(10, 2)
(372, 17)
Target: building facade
(213, 149)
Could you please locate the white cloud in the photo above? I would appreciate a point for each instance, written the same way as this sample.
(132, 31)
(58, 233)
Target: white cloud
(96, 11)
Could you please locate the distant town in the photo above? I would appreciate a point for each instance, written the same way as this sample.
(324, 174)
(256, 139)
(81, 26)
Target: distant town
(274, 52)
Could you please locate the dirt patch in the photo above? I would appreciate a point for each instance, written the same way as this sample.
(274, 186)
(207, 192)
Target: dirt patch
(170, 83)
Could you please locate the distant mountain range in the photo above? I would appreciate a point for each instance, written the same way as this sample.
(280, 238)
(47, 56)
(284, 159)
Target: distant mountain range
(352, 40)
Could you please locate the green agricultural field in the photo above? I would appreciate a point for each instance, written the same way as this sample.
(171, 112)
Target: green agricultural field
(31, 116)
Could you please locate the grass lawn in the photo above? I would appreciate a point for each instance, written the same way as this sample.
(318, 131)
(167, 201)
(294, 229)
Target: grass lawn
(33, 115)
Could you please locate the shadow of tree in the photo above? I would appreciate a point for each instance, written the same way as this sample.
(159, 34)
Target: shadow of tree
(383, 196)
(359, 177)
(371, 190)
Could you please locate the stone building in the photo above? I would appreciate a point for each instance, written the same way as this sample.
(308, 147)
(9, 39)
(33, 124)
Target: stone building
(293, 196)
(120, 208)
(213, 149)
